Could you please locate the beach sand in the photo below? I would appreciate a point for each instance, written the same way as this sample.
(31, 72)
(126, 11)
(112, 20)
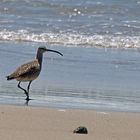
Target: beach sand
(38, 123)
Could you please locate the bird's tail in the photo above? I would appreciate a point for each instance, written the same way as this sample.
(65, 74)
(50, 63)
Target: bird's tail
(9, 77)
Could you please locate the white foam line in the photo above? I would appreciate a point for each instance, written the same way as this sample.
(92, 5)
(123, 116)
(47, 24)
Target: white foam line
(61, 110)
(104, 113)
(105, 41)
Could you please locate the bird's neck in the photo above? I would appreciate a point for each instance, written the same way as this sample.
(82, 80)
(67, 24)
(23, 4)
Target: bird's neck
(39, 57)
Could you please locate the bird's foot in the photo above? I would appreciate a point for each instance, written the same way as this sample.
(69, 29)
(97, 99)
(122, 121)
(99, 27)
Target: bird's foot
(28, 99)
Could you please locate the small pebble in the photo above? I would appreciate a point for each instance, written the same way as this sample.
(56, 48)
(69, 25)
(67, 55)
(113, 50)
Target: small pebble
(81, 130)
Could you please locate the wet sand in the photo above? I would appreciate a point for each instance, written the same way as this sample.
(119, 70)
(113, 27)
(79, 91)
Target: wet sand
(34, 123)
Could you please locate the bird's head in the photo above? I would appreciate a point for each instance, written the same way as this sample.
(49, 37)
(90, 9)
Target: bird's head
(43, 49)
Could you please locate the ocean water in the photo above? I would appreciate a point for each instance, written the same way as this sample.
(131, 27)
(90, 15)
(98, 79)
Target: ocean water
(100, 41)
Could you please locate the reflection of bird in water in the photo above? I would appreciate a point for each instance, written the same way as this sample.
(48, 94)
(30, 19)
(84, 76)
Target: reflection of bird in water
(30, 71)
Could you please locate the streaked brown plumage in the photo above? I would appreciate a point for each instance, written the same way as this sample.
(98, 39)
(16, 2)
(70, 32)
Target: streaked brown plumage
(26, 72)
(29, 71)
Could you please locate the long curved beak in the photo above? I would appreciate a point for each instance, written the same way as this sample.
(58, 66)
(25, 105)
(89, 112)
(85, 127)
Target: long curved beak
(54, 51)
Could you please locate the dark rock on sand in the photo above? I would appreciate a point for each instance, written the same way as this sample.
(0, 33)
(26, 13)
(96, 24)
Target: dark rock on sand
(81, 130)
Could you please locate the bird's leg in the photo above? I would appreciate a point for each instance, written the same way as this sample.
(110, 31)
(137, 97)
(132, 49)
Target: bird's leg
(25, 91)
(28, 88)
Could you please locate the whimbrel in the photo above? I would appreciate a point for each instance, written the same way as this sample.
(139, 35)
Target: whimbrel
(30, 71)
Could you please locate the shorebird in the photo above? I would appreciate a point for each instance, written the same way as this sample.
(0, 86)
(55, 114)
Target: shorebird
(30, 71)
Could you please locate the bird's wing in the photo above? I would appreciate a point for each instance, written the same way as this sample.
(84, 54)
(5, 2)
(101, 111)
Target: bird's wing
(26, 68)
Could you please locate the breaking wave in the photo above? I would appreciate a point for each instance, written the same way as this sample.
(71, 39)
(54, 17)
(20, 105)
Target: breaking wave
(106, 41)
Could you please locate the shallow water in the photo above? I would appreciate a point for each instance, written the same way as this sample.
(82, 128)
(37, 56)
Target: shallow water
(88, 78)
(100, 42)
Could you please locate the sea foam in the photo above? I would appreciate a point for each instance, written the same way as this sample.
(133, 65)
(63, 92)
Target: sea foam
(105, 41)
